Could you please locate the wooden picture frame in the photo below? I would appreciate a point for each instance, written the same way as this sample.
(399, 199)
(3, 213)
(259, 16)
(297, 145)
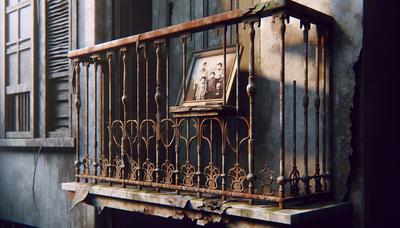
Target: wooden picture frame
(204, 78)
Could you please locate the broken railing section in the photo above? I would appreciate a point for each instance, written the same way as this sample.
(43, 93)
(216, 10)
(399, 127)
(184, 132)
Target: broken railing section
(143, 141)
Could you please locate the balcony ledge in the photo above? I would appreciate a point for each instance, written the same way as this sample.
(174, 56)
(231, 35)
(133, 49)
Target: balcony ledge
(170, 205)
(38, 142)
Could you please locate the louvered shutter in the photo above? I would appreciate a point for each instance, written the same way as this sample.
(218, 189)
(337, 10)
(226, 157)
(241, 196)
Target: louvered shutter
(58, 45)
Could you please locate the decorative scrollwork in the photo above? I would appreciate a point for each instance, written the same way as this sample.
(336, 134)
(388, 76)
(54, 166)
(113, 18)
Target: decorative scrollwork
(168, 170)
(148, 168)
(119, 165)
(104, 164)
(238, 176)
(189, 171)
(133, 169)
(294, 179)
(267, 180)
(212, 174)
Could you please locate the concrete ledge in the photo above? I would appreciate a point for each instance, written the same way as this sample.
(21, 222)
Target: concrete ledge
(168, 204)
(38, 142)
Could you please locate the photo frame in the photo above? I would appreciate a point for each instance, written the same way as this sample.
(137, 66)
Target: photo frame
(204, 78)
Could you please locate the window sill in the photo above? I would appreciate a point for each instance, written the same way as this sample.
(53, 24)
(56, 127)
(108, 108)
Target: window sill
(170, 205)
(38, 142)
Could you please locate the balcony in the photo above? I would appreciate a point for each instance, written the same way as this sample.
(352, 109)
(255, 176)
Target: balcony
(144, 120)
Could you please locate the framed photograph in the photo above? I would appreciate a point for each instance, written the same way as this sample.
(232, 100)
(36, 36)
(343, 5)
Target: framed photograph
(205, 77)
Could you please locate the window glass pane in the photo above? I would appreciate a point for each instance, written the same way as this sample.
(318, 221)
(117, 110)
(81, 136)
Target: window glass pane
(11, 2)
(25, 66)
(25, 23)
(12, 27)
(12, 77)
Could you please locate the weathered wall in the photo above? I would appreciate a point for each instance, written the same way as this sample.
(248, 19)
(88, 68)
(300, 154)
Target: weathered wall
(30, 181)
(347, 44)
(346, 48)
(49, 206)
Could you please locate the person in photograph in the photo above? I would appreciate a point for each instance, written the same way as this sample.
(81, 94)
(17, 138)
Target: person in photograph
(199, 82)
(219, 80)
(219, 72)
(211, 82)
(218, 90)
(201, 89)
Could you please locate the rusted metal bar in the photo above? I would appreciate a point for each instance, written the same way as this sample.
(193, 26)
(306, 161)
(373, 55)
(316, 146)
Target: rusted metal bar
(87, 159)
(294, 174)
(139, 134)
(323, 45)
(177, 165)
(281, 180)
(184, 50)
(224, 30)
(329, 109)
(223, 152)
(110, 119)
(306, 178)
(157, 98)
(95, 164)
(198, 173)
(166, 51)
(102, 125)
(77, 110)
(318, 187)
(124, 99)
(251, 87)
(231, 17)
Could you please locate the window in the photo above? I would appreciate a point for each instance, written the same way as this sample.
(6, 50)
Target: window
(18, 69)
(35, 94)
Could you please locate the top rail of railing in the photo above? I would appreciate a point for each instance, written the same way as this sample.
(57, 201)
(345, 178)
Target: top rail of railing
(260, 10)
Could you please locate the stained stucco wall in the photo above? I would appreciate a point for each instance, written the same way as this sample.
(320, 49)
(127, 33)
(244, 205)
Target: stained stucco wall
(48, 207)
(346, 48)
(30, 178)
(347, 44)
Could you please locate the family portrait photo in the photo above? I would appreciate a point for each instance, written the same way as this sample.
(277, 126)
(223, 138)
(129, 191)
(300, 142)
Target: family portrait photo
(206, 78)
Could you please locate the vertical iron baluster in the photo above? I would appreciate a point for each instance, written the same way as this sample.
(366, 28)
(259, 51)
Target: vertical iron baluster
(324, 181)
(305, 177)
(251, 87)
(146, 61)
(166, 51)
(184, 50)
(223, 174)
(124, 99)
(328, 75)
(157, 98)
(110, 106)
(318, 187)
(95, 165)
(139, 134)
(294, 174)
(237, 93)
(77, 109)
(281, 180)
(177, 137)
(87, 163)
(102, 111)
(224, 30)
(199, 136)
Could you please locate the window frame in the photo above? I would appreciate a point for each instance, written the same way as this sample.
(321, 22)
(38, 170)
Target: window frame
(39, 134)
(7, 10)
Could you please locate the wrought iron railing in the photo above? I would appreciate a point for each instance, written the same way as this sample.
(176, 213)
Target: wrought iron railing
(135, 137)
